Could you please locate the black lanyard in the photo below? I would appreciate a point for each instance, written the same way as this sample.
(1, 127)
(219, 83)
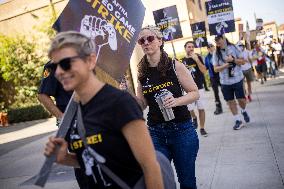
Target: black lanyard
(69, 115)
(97, 157)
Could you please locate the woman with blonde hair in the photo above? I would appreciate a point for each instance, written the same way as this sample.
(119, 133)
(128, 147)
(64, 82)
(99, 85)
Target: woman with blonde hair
(109, 141)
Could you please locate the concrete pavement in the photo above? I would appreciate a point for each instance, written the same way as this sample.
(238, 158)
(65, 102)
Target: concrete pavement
(251, 158)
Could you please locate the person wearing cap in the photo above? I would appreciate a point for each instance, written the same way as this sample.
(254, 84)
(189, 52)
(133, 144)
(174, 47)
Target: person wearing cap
(227, 60)
(157, 73)
(104, 139)
(214, 77)
(247, 69)
(196, 67)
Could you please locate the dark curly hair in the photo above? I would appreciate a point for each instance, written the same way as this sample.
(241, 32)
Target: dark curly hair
(164, 65)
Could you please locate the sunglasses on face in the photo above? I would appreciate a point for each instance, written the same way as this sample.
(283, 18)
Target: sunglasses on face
(142, 40)
(65, 63)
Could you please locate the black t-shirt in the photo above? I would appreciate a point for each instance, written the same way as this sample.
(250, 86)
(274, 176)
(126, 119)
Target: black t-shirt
(153, 85)
(52, 87)
(104, 116)
(195, 71)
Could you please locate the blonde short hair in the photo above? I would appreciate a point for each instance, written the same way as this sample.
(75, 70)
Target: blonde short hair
(83, 45)
(155, 30)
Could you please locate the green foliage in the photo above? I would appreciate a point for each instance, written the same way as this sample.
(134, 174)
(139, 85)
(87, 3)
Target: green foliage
(46, 26)
(21, 64)
(27, 114)
(20, 70)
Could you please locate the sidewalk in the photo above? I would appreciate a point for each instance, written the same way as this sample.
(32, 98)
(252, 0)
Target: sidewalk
(26, 129)
(250, 158)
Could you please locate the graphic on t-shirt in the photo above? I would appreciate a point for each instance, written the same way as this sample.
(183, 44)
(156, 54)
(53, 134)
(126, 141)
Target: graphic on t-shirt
(191, 69)
(147, 83)
(94, 139)
(73, 134)
(46, 73)
(153, 88)
(89, 162)
(100, 30)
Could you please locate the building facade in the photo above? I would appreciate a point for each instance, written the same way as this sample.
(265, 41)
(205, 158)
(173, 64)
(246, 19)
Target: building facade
(22, 16)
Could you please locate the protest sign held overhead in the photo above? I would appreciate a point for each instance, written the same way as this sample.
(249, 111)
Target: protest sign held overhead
(113, 24)
(220, 16)
(168, 21)
(199, 34)
(259, 24)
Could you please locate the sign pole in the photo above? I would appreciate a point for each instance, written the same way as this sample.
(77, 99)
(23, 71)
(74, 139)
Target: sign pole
(173, 46)
(173, 49)
(232, 37)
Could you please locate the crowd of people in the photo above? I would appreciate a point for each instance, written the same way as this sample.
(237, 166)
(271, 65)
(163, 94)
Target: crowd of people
(171, 89)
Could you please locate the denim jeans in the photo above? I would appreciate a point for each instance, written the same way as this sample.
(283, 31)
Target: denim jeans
(178, 142)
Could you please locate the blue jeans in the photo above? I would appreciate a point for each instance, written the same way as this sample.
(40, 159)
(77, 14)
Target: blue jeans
(178, 142)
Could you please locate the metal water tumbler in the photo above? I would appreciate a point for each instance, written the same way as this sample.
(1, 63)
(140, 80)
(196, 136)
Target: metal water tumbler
(168, 113)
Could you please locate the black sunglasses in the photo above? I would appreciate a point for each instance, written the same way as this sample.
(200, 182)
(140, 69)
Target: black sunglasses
(65, 63)
(142, 40)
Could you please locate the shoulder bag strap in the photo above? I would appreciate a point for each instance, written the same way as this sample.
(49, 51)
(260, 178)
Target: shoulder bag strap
(100, 160)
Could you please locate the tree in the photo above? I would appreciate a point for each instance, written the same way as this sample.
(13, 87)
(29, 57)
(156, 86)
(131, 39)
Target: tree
(20, 70)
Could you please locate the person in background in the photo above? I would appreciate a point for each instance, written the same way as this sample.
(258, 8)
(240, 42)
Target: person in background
(270, 63)
(157, 75)
(205, 84)
(277, 52)
(247, 70)
(227, 60)
(195, 65)
(282, 51)
(214, 78)
(113, 139)
(261, 67)
(51, 87)
(254, 56)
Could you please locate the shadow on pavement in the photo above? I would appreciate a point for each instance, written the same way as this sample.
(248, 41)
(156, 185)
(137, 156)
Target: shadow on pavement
(10, 146)
(19, 126)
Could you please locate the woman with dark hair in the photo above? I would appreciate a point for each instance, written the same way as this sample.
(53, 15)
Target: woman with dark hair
(161, 81)
(227, 60)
